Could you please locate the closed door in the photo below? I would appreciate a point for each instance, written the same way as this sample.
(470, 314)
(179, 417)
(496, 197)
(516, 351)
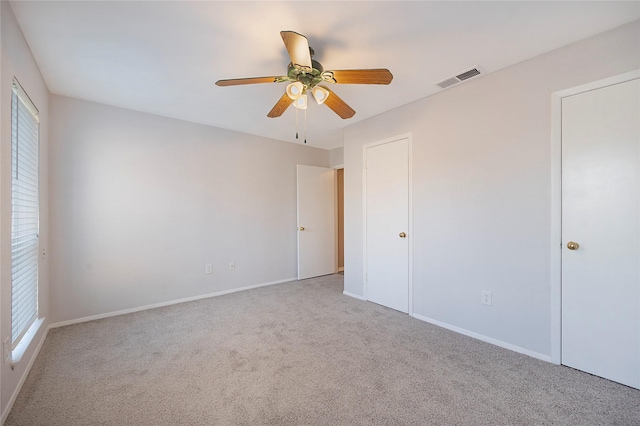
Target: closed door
(601, 232)
(387, 223)
(316, 221)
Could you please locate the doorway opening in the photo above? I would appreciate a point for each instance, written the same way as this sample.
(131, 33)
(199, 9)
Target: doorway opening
(340, 217)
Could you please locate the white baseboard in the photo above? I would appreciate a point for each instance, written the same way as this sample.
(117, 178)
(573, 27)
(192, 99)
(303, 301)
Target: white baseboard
(161, 304)
(484, 338)
(18, 388)
(355, 296)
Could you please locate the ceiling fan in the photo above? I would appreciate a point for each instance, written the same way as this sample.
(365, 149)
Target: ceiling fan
(305, 75)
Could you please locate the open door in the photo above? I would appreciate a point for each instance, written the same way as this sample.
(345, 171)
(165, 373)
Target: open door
(316, 221)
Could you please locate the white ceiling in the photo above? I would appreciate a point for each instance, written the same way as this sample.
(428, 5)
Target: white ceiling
(164, 57)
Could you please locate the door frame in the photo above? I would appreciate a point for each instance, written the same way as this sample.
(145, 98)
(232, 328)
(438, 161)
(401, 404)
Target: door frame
(337, 167)
(556, 202)
(409, 137)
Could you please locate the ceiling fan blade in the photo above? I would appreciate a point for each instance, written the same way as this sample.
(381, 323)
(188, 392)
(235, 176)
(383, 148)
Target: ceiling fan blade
(373, 76)
(280, 107)
(298, 47)
(338, 106)
(253, 80)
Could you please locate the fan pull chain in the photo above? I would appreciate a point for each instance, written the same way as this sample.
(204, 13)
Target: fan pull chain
(296, 123)
(305, 126)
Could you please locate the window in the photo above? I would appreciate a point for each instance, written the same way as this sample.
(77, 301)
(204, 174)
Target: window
(24, 214)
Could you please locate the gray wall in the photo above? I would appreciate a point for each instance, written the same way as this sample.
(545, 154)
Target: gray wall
(336, 157)
(141, 203)
(482, 190)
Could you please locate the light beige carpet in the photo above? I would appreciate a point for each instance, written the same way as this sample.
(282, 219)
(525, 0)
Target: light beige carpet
(299, 353)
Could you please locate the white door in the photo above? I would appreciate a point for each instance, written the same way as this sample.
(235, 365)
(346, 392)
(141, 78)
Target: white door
(600, 212)
(316, 221)
(387, 222)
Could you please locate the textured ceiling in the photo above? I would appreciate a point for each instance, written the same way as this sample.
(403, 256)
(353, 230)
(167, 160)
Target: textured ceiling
(164, 57)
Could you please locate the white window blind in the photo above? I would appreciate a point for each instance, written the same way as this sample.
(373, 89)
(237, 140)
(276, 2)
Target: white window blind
(24, 214)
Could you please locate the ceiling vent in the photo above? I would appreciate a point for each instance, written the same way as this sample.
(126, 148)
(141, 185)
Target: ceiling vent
(452, 81)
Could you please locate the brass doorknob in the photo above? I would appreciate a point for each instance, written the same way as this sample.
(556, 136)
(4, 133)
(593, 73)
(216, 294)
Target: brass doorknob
(402, 235)
(301, 228)
(573, 245)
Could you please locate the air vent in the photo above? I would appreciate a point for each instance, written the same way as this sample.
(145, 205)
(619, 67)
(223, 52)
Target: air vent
(448, 82)
(451, 81)
(467, 75)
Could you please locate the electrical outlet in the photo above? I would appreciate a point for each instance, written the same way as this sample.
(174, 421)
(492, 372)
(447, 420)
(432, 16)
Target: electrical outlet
(6, 350)
(486, 297)
(232, 265)
(209, 268)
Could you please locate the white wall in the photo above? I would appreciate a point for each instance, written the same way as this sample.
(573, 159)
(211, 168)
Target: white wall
(336, 157)
(17, 61)
(140, 204)
(482, 190)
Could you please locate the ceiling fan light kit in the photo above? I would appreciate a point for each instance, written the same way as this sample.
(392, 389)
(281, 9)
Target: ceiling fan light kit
(305, 74)
(301, 102)
(295, 90)
(320, 94)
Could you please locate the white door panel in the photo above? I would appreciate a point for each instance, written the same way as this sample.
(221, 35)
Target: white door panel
(601, 212)
(387, 215)
(316, 221)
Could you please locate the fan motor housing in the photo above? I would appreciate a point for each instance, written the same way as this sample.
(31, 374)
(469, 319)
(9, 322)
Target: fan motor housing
(305, 75)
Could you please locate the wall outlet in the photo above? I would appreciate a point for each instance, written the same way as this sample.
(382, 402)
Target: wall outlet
(485, 299)
(232, 265)
(209, 269)
(6, 350)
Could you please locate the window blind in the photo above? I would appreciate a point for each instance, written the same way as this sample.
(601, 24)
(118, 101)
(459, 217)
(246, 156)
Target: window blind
(24, 214)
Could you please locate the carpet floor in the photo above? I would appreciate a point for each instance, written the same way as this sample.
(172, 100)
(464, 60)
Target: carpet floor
(299, 353)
